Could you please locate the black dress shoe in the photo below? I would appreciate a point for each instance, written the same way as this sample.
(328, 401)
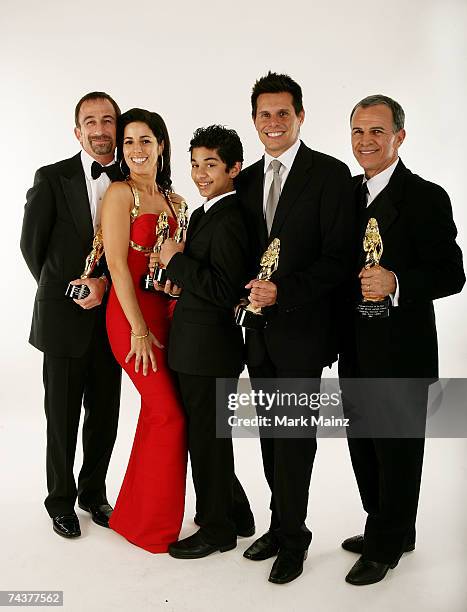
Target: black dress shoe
(194, 547)
(263, 548)
(100, 513)
(287, 566)
(355, 545)
(66, 525)
(368, 572)
(243, 531)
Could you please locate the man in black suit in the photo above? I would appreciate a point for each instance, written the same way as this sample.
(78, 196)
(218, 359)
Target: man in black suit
(302, 197)
(420, 262)
(205, 343)
(61, 215)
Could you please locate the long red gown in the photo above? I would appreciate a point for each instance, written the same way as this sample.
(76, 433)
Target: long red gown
(150, 505)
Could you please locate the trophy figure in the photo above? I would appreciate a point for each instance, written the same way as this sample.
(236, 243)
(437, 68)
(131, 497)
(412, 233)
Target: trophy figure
(162, 233)
(248, 316)
(79, 292)
(373, 308)
(160, 273)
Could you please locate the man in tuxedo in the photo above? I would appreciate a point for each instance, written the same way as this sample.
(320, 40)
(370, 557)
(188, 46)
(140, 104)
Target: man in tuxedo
(61, 215)
(205, 343)
(302, 197)
(420, 262)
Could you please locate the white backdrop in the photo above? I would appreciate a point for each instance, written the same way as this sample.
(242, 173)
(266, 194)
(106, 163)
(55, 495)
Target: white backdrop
(195, 63)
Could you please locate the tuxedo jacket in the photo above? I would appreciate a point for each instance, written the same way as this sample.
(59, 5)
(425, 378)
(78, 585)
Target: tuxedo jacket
(212, 271)
(56, 238)
(419, 245)
(314, 222)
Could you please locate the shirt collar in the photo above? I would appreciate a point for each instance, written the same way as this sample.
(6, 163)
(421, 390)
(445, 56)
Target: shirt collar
(286, 158)
(210, 203)
(377, 183)
(87, 161)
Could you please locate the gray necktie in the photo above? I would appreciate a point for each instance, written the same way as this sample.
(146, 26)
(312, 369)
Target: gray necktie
(274, 194)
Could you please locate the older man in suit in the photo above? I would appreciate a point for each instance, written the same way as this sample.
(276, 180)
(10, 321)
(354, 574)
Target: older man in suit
(420, 262)
(302, 197)
(61, 216)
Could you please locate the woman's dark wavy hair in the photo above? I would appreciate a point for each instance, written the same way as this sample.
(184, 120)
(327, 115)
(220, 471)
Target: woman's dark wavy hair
(157, 126)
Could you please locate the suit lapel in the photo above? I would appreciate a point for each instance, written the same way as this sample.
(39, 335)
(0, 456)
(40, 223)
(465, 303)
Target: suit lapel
(76, 196)
(385, 211)
(195, 215)
(298, 177)
(198, 225)
(387, 202)
(256, 197)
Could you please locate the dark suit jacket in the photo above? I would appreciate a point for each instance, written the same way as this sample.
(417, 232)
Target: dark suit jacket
(212, 272)
(56, 238)
(419, 246)
(314, 222)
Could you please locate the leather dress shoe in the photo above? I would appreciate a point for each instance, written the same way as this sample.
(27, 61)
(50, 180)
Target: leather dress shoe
(243, 531)
(66, 525)
(355, 545)
(194, 547)
(263, 548)
(365, 571)
(100, 513)
(287, 566)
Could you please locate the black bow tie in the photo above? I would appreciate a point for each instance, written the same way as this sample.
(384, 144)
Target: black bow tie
(97, 170)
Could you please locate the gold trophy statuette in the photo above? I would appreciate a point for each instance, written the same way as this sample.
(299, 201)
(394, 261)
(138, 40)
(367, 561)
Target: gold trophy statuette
(373, 308)
(160, 274)
(162, 233)
(182, 221)
(79, 292)
(248, 316)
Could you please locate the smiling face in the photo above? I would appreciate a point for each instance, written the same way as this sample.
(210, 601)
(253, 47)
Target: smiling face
(141, 149)
(374, 142)
(210, 174)
(97, 129)
(276, 122)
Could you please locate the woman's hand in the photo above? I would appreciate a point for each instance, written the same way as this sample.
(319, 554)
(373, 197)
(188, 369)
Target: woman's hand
(168, 250)
(141, 348)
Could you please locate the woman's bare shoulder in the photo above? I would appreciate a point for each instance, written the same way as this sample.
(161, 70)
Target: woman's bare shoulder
(120, 193)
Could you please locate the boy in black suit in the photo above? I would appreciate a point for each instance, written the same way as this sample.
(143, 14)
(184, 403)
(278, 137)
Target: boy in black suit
(205, 343)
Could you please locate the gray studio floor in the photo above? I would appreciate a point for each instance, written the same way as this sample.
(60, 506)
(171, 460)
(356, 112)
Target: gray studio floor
(101, 571)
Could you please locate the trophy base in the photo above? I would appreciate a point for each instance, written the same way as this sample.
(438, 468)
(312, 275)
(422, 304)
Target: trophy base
(160, 275)
(249, 320)
(77, 292)
(147, 283)
(374, 310)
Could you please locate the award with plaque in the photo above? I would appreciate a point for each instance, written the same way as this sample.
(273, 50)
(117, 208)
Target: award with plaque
(79, 292)
(248, 316)
(373, 308)
(162, 233)
(160, 273)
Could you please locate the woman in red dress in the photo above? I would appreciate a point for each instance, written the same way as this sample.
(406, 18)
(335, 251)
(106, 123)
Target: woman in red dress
(149, 508)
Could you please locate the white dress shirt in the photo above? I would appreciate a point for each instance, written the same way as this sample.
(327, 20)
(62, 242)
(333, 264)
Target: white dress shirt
(287, 159)
(96, 188)
(375, 185)
(210, 203)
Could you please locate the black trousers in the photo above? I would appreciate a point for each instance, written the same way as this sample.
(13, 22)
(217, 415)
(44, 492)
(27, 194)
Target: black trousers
(288, 464)
(221, 502)
(93, 381)
(388, 473)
